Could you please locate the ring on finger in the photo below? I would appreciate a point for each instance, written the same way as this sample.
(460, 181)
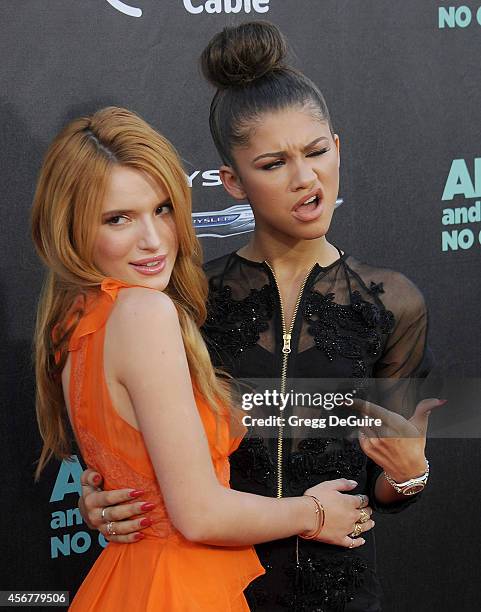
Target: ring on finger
(364, 516)
(362, 500)
(357, 530)
(110, 528)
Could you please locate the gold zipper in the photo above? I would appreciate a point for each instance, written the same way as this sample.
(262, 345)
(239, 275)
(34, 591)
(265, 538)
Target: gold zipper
(286, 349)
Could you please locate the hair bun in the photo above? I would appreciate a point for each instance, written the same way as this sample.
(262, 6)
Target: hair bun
(239, 55)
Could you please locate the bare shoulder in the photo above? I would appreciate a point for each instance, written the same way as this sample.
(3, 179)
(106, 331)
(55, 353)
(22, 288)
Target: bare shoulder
(139, 309)
(139, 301)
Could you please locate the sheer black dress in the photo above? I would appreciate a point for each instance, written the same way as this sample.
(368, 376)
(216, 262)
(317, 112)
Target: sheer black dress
(353, 321)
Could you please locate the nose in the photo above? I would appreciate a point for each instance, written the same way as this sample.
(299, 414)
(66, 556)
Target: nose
(303, 176)
(149, 235)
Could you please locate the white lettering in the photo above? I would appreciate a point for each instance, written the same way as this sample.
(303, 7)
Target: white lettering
(191, 177)
(233, 9)
(213, 6)
(226, 6)
(211, 178)
(260, 6)
(195, 10)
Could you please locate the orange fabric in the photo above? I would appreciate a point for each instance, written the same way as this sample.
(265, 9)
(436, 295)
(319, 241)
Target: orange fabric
(164, 571)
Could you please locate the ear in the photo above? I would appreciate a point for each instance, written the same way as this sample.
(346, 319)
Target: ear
(338, 146)
(232, 183)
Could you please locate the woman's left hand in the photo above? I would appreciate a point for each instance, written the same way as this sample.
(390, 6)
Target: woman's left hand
(398, 444)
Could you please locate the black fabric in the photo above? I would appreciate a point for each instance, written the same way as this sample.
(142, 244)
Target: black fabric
(355, 322)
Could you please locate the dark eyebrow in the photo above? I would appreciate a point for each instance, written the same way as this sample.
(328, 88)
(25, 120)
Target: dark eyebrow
(280, 153)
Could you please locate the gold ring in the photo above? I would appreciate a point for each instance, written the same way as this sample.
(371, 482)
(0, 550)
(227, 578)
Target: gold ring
(364, 516)
(357, 530)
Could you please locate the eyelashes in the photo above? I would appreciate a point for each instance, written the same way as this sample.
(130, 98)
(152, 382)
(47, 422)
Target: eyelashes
(281, 162)
(118, 220)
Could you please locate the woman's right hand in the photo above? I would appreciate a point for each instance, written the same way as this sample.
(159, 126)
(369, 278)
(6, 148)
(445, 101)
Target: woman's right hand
(342, 512)
(120, 507)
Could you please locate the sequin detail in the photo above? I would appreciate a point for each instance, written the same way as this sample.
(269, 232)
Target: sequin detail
(354, 331)
(234, 325)
(331, 457)
(253, 462)
(324, 584)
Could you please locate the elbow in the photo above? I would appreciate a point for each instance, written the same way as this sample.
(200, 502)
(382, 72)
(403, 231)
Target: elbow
(200, 529)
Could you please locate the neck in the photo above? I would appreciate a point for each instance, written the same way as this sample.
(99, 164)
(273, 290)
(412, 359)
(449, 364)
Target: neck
(288, 254)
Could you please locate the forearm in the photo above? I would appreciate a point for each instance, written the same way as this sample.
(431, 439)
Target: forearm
(235, 518)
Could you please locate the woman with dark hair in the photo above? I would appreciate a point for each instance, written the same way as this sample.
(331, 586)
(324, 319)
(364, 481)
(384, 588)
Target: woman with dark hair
(291, 305)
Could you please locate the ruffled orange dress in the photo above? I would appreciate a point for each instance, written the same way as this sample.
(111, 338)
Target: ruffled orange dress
(163, 572)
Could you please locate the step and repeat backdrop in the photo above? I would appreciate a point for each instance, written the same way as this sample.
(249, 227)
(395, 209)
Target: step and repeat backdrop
(403, 84)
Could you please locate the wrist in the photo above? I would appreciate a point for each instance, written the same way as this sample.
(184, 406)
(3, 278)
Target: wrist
(309, 515)
(319, 516)
(412, 485)
(414, 470)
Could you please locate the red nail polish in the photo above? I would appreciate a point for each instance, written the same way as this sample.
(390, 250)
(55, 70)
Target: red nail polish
(97, 479)
(145, 522)
(147, 506)
(139, 536)
(136, 493)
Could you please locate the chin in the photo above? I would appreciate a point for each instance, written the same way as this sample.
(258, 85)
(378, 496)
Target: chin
(310, 231)
(157, 281)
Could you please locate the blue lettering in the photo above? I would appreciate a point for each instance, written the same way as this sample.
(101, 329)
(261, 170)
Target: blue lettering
(68, 479)
(451, 16)
(80, 542)
(458, 181)
(57, 545)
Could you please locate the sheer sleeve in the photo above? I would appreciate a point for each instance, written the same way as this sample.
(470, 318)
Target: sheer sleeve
(406, 359)
(403, 365)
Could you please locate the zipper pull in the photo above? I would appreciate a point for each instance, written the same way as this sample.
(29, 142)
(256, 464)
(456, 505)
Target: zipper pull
(286, 349)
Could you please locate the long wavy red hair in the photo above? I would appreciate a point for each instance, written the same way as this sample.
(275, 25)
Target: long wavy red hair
(66, 214)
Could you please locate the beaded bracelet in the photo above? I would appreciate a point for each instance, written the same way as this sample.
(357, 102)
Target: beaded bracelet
(321, 517)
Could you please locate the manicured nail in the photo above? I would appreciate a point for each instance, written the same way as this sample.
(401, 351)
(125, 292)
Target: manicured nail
(441, 402)
(97, 479)
(137, 493)
(147, 506)
(363, 541)
(373, 523)
(139, 536)
(145, 522)
(353, 483)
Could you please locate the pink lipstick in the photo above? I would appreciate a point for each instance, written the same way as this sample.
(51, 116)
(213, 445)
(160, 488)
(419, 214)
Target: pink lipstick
(150, 266)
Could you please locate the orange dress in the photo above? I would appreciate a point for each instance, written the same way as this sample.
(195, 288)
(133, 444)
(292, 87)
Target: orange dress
(163, 572)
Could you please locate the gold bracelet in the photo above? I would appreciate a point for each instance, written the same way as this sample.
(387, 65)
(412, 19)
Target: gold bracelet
(321, 517)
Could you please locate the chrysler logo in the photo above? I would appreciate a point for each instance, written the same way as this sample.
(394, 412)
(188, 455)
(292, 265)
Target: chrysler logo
(232, 221)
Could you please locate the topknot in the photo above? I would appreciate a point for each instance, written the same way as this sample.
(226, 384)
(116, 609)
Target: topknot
(237, 56)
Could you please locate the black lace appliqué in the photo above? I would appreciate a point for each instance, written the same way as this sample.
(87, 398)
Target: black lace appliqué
(353, 331)
(253, 462)
(325, 583)
(234, 325)
(340, 458)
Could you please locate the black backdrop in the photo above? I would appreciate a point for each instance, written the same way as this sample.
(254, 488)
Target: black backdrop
(402, 81)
